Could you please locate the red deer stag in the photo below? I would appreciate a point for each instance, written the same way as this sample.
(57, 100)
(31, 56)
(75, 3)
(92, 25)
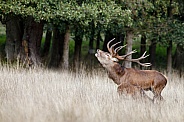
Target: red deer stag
(128, 79)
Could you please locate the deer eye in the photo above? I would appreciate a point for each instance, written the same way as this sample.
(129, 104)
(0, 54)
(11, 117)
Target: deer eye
(108, 55)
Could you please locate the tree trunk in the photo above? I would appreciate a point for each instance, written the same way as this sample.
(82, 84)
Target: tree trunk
(169, 58)
(143, 47)
(65, 57)
(57, 48)
(33, 32)
(121, 37)
(98, 40)
(14, 33)
(178, 58)
(108, 37)
(129, 41)
(169, 49)
(77, 51)
(181, 9)
(47, 43)
(91, 40)
(152, 52)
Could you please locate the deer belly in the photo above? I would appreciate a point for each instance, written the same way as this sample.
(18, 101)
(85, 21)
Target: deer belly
(146, 85)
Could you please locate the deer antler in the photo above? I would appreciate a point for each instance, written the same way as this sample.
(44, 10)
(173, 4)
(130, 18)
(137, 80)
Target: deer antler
(138, 60)
(111, 49)
(115, 54)
(135, 60)
(119, 48)
(123, 57)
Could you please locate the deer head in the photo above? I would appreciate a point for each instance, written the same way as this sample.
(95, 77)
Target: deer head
(105, 58)
(112, 57)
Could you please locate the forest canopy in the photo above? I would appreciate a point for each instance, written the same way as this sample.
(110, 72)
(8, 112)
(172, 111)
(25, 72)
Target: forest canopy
(157, 22)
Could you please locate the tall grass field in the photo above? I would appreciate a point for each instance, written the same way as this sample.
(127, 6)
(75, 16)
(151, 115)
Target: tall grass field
(41, 95)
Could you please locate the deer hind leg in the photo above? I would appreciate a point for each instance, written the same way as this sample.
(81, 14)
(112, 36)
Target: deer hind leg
(157, 92)
(145, 96)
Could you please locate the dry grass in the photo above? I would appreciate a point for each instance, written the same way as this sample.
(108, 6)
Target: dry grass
(54, 96)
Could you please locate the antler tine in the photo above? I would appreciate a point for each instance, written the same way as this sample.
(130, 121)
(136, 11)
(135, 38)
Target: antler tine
(119, 48)
(112, 47)
(124, 56)
(144, 64)
(109, 48)
(138, 60)
(142, 57)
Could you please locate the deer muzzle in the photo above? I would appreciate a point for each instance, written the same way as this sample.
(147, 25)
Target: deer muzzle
(97, 53)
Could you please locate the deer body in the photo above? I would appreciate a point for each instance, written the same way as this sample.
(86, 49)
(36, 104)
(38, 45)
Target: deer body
(130, 80)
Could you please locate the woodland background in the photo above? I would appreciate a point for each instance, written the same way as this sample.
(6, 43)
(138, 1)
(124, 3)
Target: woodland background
(37, 36)
(64, 34)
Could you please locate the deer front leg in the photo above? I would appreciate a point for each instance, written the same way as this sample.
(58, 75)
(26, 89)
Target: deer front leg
(127, 89)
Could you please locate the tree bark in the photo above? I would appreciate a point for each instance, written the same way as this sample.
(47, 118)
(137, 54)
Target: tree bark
(108, 37)
(169, 58)
(178, 58)
(14, 33)
(65, 57)
(121, 38)
(152, 52)
(129, 41)
(33, 32)
(91, 40)
(143, 47)
(169, 49)
(98, 40)
(181, 9)
(57, 48)
(77, 51)
(47, 43)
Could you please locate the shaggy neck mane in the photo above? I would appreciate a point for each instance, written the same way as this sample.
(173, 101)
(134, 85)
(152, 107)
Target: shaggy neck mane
(115, 71)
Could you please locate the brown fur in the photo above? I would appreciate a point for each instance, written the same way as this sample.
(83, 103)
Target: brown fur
(133, 81)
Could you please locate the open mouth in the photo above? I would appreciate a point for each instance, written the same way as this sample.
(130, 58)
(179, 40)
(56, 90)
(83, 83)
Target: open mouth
(97, 53)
